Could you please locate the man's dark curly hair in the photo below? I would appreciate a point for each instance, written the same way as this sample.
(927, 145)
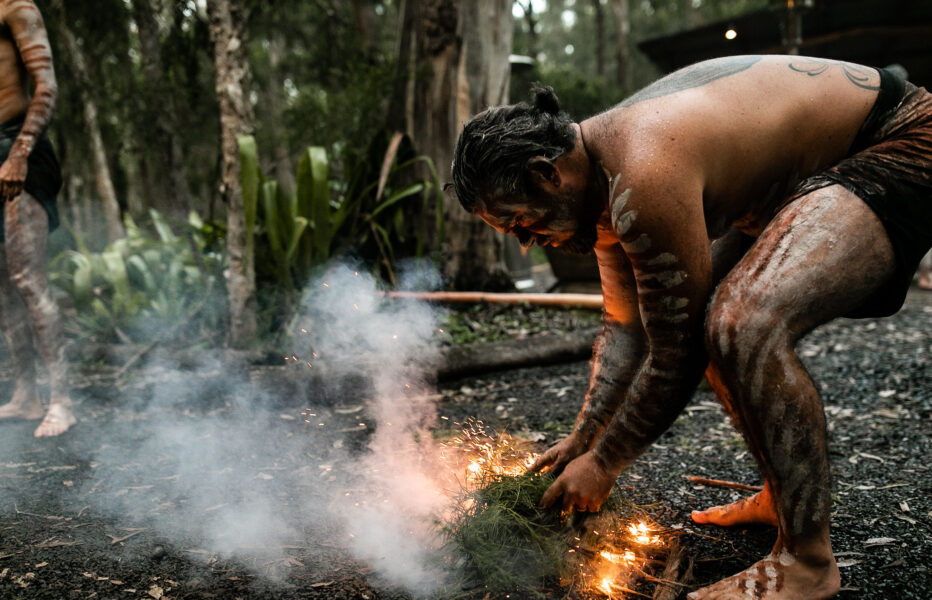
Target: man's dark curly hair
(494, 147)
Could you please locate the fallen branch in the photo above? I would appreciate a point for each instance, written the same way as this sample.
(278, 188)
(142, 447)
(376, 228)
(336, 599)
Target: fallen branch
(725, 484)
(588, 301)
(116, 540)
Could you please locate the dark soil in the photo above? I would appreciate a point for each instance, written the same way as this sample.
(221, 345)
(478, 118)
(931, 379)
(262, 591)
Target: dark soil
(124, 506)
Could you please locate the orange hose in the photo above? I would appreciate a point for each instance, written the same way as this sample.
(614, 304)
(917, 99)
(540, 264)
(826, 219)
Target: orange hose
(589, 301)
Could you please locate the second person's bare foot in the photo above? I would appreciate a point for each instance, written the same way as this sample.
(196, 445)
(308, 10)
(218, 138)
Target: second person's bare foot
(24, 405)
(755, 510)
(57, 421)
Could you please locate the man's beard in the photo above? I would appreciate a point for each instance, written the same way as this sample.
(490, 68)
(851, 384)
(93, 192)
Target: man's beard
(582, 242)
(584, 238)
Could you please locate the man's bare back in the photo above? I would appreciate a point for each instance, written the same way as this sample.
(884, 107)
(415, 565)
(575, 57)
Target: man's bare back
(745, 135)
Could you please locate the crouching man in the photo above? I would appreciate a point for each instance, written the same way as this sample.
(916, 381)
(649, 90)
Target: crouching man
(733, 206)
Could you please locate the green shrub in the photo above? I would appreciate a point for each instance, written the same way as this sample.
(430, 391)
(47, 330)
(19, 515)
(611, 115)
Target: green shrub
(137, 288)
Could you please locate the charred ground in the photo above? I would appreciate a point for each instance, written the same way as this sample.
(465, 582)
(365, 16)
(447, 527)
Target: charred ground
(117, 509)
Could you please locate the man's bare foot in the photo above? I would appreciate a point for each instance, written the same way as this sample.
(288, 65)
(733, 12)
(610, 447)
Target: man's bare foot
(24, 404)
(925, 279)
(755, 510)
(57, 421)
(777, 577)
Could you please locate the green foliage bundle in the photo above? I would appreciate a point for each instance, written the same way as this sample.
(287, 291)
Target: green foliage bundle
(142, 286)
(502, 541)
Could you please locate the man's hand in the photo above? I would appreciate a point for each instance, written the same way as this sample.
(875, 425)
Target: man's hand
(585, 483)
(12, 177)
(560, 454)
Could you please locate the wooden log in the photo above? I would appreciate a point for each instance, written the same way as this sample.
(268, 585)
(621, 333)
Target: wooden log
(586, 301)
(471, 359)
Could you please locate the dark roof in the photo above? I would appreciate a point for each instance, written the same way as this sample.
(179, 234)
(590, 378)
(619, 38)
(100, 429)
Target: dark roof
(870, 32)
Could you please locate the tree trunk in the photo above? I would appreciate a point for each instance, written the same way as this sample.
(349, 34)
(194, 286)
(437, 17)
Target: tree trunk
(98, 155)
(688, 15)
(236, 119)
(623, 47)
(533, 44)
(275, 103)
(161, 118)
(599, 38)
(455, 58)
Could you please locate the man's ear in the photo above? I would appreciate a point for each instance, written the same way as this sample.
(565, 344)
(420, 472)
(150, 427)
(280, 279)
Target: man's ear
(543, 173)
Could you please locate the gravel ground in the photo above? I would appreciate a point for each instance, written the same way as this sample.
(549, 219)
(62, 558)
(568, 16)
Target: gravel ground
(125, 506)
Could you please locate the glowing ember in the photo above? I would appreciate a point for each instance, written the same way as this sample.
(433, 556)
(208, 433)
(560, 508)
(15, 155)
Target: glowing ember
(642, 534)
(618, 559)
(484, 456)
(606, 585)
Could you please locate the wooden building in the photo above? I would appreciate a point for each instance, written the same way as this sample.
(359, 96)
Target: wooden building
(872, 32)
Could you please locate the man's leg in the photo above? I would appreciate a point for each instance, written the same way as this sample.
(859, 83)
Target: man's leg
(820, 258)
(14, 320)
(26, 230)
(727, 251)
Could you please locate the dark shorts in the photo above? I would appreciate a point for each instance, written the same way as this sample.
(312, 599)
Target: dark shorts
(43, 174)
(889, 167)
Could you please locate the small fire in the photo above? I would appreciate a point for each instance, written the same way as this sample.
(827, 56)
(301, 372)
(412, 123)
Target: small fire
(642, 534)
(618, 559)
(478, 456)
(485, 455)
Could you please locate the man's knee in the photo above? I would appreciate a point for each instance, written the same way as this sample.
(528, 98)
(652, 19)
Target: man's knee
(738, 329)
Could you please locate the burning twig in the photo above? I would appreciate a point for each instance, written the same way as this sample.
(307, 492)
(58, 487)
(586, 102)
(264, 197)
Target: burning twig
(725, 484)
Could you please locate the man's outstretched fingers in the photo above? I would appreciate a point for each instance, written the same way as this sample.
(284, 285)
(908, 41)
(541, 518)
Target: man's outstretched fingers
(553, 492)
(544, 460)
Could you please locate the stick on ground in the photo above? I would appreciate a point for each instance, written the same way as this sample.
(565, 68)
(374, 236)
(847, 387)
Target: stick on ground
(726, 484)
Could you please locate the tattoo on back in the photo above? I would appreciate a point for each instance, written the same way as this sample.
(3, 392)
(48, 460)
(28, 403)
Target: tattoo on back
(856, 74)
(692, 77)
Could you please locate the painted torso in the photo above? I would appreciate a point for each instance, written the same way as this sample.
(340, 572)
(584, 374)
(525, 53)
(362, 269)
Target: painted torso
(14, 97)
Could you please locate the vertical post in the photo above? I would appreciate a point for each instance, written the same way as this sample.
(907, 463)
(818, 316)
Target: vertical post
(791, 22)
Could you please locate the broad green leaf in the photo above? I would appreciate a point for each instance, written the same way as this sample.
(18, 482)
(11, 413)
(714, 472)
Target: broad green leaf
(249, 182)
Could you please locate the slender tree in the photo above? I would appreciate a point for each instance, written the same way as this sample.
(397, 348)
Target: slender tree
(599, 15)
(161, 118)
(454, 60)
(102, 175)
(621, 10)
(236, 119)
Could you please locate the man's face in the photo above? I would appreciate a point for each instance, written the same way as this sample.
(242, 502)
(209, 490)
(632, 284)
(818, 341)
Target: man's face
(545, 220)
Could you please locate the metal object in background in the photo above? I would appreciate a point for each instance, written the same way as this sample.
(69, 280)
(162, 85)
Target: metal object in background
(791, 23)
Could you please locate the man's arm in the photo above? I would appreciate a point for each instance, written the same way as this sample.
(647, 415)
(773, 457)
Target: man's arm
(32, 42)
(618, 350)
(616, 355)
(662, 229)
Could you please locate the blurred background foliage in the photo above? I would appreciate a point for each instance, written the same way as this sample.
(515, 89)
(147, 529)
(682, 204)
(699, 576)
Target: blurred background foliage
(323, 73)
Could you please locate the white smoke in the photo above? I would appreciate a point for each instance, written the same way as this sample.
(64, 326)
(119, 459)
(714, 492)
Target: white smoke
(222, 469)
(400, 479)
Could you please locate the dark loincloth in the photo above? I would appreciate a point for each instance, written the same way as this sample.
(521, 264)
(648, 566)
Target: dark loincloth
(889, 167)
(43, 174)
